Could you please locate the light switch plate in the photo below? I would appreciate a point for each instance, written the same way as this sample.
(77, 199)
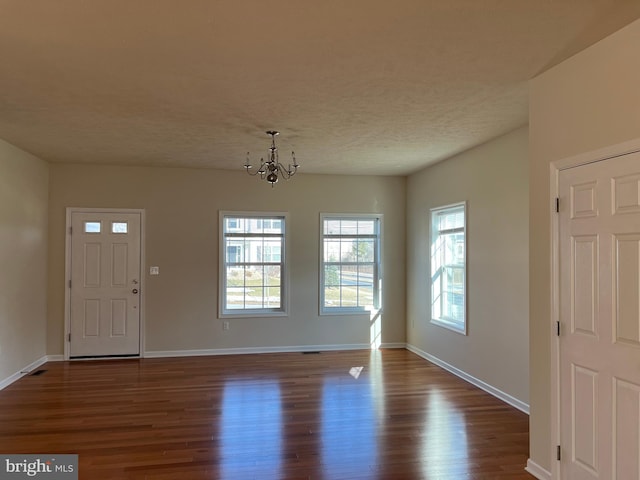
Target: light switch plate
(154, 271)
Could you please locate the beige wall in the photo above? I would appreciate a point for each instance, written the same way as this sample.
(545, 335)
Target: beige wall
(182, 239)
(492, 178)
(23, 259)
(589, 102)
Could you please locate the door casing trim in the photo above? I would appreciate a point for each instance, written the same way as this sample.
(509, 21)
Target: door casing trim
(67, 271)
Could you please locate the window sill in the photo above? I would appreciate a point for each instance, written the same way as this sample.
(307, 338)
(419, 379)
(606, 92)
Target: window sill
(337, 312)
(449, 325)
(252, 314)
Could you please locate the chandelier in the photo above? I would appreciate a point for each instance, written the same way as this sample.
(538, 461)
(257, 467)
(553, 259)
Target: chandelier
(271, 169)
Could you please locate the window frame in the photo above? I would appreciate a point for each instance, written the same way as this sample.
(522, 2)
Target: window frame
(434, 234)
(281, 311)
(377, 265)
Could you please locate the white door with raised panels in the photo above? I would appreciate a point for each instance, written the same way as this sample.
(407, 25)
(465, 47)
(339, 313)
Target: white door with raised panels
(104, 284)
(600, 320)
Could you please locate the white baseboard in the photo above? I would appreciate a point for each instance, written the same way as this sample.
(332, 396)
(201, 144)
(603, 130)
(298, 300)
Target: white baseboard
(505, 397)
(24, 371)
(537, 471)
(250, 350)
(394, 345)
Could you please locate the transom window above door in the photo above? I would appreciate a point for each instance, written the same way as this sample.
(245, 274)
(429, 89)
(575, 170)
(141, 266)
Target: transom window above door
(95, 226)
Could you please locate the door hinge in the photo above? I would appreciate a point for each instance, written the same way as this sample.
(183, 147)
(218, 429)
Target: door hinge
(70, 230)
(558, 328)
(557, 204)
(69, 283)
(558, 453)
(69, 337)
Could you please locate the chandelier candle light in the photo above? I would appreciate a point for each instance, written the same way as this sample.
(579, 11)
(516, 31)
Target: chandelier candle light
(271, 168)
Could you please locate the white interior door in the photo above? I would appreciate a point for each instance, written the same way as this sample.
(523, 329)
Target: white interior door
(105, 284)
(600, 320)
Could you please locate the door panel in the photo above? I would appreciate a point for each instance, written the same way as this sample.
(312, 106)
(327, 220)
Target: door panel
(599, 225)
(584, 271)
(105, 273)
(626, 311)
(584, 432)
(626, 444)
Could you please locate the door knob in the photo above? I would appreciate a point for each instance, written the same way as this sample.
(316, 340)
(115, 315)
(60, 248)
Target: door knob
(135, 290)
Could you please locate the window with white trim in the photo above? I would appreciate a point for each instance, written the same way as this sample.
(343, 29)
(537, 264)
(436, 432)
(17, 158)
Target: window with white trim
(350, 269)
(448, 267)
(252, 273)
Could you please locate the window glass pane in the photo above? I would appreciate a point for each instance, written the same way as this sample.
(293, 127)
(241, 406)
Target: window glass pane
(365, 275)
(449, 219)
(349, 298)
(92, 227)
(254, 225)
(365, 249)
(119, 227)
(365, 295)
(235, 276)
(349, 227)
(234, 294)
(451, 250)
(272, 297)
(331, 275)
(366, 227)
(272, 250)
(263, 225)
(332, 296)
(348, 250)
(332, 250)
(253, 298)
(252, 276)
(276, 226)
(273, 275)
(231, 224)
(234, 253)
(235, 250)
(253, 250)
(332, 227)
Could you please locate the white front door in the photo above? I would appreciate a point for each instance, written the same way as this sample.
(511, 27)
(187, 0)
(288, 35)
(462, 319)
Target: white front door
(600, 320)
(105, 284)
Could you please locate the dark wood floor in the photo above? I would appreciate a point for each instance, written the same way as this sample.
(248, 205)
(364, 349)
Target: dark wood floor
(271, 416)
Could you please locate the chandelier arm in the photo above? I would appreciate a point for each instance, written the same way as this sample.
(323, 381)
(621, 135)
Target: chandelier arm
(260, 171)
(289, 172)
(254, 173)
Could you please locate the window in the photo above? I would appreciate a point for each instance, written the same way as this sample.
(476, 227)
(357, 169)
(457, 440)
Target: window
(350, 263)
(119, 227)
(92, 227)
(448, 267)
(252, 269)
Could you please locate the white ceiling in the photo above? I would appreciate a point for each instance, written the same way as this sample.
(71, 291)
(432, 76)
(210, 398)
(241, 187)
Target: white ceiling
(355, 86)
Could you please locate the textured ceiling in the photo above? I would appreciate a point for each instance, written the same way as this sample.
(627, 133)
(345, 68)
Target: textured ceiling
(355, 86)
